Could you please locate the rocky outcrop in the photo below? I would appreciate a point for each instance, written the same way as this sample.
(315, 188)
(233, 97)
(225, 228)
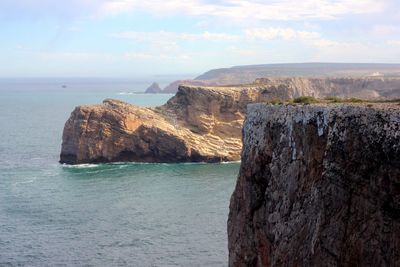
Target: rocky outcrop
(365, 88)
(197, 124)
(172, 88)
(154, 88)
(318, 186)
(247, 74)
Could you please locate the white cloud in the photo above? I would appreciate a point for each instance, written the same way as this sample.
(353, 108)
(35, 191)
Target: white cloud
(272, 33)
(170, 41)
(247, 9)
(393, 42)
(174, 36)
(384, 29)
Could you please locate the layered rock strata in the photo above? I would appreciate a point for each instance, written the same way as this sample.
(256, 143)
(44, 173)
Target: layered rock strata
(365, 88)
(197, 124)
(318, 186)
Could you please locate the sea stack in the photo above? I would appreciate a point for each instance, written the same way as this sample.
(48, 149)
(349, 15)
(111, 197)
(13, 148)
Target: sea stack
(154, 88)
(319, 185)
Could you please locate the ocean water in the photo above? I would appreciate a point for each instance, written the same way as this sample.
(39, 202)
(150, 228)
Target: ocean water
(100, 215)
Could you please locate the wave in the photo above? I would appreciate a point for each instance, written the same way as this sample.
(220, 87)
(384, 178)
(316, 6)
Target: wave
(127, 93)
(121, 164)
(81, 166)
(231, 162)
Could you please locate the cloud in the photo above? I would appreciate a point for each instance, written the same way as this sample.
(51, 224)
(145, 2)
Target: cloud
(272, 33)
(393, 42)
(246, 9)
(233, 9)
(384, 29)
(171, 37)
(170, 41)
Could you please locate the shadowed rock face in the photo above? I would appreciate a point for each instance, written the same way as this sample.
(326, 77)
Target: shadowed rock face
(197, 124)
(318, 186)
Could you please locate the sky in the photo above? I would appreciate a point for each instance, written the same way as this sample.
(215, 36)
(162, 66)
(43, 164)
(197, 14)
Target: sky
(123, 38)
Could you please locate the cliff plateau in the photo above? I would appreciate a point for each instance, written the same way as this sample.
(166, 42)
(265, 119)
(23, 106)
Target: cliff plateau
(319, 185)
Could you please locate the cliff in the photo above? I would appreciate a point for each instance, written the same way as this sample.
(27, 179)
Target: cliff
(172, 88)
(318, 186)
(247, 74)
(197, 124)
(365, 88)
(362, 87)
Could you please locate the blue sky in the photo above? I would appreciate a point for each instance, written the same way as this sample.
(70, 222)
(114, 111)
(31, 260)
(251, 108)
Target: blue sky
(122, 38)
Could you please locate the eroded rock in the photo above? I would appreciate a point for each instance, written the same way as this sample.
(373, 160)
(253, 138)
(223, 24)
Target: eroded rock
(197, 124)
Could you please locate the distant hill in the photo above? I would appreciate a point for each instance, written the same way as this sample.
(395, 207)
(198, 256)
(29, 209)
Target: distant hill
(248, 74)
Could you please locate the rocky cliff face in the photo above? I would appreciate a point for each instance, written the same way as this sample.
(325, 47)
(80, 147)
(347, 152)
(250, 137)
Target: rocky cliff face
(365, 88)
(172, 88)
(318, 186)
(197, 124)
(247, 74)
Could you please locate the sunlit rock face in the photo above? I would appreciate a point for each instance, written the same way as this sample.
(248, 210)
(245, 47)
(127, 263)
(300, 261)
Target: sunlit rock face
(197, 124)
(365, 88)
(319, 185)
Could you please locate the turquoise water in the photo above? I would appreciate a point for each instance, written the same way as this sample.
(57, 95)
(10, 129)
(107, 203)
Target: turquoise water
(100, 215)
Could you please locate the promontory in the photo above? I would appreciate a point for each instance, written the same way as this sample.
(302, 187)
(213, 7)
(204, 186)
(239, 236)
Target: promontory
(197, 124)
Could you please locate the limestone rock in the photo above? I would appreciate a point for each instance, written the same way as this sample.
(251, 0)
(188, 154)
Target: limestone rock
(365, 88)
(318, 186)
(197, 124)
(172, 88)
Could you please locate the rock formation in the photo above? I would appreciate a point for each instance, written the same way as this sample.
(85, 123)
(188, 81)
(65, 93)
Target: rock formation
(154, 88)
(365, 88)
(172, 88)
(247, 74)
(197, 124)
(318, 186)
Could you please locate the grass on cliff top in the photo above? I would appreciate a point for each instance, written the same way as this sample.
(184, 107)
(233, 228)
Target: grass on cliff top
(335, 99)
(306, 100)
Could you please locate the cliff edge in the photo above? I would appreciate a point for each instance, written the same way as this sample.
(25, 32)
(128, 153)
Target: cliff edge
(318, 186)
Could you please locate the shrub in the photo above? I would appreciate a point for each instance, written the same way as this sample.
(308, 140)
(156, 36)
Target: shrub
(334, 99)
(354, 100)
(305, 100)
(276, 101)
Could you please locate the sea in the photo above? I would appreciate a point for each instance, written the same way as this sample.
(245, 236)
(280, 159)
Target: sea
(121, 214)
